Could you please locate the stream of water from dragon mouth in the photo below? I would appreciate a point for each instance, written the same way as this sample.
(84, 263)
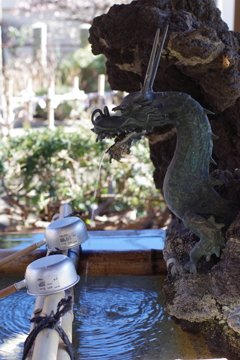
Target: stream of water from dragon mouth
(93, 207)
(96, 188)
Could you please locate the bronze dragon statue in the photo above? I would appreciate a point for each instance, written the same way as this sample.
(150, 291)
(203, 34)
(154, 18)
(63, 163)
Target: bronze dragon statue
(188, 188)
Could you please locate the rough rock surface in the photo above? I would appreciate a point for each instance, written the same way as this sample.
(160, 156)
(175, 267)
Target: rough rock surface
(211, 299)
(201, 58)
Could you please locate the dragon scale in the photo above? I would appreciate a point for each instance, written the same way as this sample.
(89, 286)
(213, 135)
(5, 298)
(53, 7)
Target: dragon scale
(189, 168)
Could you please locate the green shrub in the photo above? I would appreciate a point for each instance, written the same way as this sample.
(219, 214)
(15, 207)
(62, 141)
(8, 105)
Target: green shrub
(85, 65)
(63, 110)
(46, 165)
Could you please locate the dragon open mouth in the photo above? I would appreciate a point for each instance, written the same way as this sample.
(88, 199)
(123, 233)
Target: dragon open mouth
(127, 128)
(123, 129)
(107, 126)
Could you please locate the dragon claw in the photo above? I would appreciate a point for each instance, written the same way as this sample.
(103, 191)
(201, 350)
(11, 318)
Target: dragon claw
(192, 268)
(176, 267)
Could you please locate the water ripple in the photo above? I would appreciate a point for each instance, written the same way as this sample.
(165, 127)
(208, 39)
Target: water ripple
(119, 320)
(16, 310)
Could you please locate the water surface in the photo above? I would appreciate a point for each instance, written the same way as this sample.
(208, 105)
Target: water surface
(116, 318)
(19, 241)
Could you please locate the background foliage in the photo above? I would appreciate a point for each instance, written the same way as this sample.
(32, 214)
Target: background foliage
(46, 166)
(85, 65)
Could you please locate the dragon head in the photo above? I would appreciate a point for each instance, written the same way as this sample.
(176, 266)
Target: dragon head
(139, 111)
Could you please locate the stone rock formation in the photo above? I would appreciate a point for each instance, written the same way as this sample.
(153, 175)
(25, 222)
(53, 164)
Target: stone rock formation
(210, 302)
(200, 58)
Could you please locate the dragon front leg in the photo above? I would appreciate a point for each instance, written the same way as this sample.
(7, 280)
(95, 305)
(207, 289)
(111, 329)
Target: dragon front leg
(210, 234)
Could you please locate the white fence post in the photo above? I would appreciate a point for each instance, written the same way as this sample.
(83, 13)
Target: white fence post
(51, 93)
(227, 9)
(29, 109)
(9, 99)
(101, 89)
(40, 42)
(75, 91)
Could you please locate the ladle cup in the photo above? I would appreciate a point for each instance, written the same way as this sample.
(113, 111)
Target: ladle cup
(63, 234)
(46, 276)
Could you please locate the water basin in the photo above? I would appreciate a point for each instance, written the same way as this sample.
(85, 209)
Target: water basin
(121, 252)
(120, 240)
(116, 318)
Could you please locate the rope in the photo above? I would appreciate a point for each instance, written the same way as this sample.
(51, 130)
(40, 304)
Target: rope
(50, 322)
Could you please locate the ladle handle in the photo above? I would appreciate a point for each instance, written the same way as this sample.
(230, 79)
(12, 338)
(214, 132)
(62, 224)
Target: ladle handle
(22, 252)
(7, 291)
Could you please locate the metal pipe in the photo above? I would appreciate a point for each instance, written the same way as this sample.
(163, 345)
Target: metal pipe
(37, 310)
(65, 210)
(67, 319)
(66, 324)
(47, 341)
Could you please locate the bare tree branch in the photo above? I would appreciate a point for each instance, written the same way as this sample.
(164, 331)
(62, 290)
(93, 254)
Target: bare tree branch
(83, 10)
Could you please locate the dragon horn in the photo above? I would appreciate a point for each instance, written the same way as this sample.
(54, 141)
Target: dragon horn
(157, 59)
(148, 75)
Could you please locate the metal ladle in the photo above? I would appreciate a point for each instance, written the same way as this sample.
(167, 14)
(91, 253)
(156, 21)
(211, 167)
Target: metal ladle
(45, 276)
(63, 234)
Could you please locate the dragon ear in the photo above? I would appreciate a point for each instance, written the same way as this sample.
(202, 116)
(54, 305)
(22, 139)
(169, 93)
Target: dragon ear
(153, 63)
(157, 59)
